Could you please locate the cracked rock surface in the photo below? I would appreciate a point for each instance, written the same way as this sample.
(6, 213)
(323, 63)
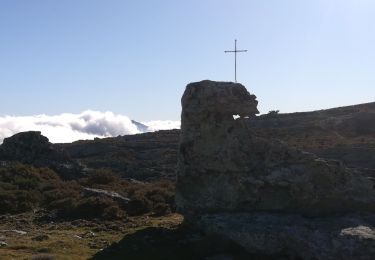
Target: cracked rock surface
(225, 169)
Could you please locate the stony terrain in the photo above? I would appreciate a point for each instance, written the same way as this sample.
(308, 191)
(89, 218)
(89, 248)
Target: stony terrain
(121, 189)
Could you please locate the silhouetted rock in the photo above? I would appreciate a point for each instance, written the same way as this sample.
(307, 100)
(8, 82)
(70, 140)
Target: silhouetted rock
(224, 169)
(35, 149)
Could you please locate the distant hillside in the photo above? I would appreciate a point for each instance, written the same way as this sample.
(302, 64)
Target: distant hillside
(345, 133)
(142, 156)
(324, 128)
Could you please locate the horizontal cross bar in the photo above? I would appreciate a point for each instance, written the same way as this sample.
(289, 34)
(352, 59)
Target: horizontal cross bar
(237, 51)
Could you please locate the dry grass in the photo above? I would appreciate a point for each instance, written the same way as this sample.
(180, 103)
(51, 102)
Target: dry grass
(70, 240)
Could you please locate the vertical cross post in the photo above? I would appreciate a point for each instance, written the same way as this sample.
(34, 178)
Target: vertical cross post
(235, 58)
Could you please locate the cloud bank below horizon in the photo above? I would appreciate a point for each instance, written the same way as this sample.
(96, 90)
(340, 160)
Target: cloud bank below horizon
(89, 124)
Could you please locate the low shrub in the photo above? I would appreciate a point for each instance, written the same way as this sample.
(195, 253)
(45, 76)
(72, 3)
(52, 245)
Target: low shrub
(24, 188)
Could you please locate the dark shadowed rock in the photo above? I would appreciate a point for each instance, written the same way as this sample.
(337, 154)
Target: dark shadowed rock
(35, 149)
(224, 168)
(341, 237)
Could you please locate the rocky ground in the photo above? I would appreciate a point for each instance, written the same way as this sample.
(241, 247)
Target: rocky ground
(32, 171)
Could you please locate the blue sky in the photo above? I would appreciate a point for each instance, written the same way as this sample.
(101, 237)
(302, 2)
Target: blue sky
(136, 57)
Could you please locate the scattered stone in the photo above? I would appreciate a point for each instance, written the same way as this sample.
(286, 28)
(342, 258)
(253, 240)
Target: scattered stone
(44, 250)
(40, 238)
(99, 192)
(135, 181)
(76, 236)
(19, 232)
(3, 244)
(362, 232)
(88, 234)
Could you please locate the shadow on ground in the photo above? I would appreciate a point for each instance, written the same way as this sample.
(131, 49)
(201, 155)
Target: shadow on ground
(167, 244)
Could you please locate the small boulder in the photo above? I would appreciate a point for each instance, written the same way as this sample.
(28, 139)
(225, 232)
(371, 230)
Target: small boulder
(40, 237)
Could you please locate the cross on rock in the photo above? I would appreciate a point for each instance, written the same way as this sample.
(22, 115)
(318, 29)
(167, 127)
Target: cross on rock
(235, 58)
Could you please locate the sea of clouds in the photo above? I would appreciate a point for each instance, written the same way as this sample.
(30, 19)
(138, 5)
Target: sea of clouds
(89, 124)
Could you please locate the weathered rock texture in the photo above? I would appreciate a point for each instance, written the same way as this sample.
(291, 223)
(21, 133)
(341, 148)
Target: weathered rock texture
(288, 236)
(33, 148)
(224, 168)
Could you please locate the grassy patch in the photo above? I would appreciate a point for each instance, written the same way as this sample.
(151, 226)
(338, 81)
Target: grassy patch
(78, 239)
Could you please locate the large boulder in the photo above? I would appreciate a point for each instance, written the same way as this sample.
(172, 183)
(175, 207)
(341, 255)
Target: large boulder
(33, 148)
(224, 168)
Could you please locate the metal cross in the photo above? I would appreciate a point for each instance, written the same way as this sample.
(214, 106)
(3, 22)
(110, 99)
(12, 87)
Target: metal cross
(235, 58)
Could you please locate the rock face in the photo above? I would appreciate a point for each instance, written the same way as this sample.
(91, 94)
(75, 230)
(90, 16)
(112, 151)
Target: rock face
(35, 149)
(289, 236)
(225, 169)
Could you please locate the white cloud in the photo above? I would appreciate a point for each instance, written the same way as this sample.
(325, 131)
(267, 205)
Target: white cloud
(71, 127)
(162, 125)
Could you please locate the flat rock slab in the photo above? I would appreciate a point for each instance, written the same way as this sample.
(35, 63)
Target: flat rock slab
(345, 237)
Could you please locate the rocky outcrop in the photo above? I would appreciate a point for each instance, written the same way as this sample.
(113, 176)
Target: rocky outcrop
(224, 169)
(35, 149)
(288, 236)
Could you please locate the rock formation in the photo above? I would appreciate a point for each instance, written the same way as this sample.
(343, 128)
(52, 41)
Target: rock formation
(33, 148)
(260, 192)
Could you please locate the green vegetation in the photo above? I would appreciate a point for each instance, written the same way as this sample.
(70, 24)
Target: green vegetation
(60, 221)
(66, 240)
(26, 188)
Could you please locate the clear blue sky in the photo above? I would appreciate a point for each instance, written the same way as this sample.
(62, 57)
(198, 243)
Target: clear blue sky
(136, 57)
